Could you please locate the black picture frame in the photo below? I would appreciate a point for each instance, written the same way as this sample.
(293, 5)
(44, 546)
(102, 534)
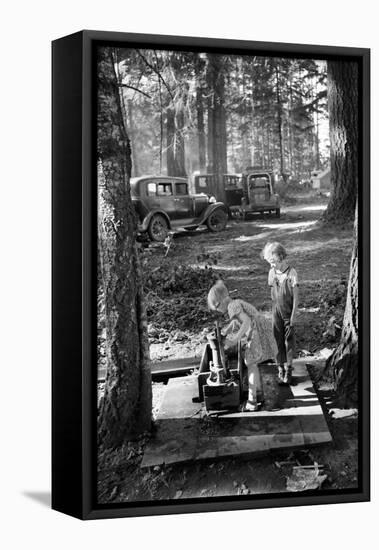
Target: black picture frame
(74, 276)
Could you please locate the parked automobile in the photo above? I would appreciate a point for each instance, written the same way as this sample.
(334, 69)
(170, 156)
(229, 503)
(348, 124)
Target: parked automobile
(206, 183)
(246, 193)
(163, 203)
(258, 190)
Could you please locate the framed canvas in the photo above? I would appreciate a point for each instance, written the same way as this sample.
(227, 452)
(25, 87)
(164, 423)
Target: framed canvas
(210, 275)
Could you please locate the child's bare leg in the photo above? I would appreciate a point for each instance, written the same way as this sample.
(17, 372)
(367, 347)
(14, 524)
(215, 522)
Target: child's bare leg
(290, 344)
(254, 385)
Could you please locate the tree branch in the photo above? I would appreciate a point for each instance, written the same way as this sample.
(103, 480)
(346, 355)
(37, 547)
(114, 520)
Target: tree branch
(136, 89)
(157, 73)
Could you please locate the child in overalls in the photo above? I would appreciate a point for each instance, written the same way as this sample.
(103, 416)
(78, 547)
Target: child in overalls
(282, 279)
(249, 326)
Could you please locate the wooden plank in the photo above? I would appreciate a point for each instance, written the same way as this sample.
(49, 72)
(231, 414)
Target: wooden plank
(177, 401)
(165, 368)
(171, 365)
(245, 446)
(312, 418)
(175, 441)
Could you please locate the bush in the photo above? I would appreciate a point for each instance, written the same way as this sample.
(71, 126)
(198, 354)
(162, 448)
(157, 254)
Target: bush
(170, 279)
(176, 296)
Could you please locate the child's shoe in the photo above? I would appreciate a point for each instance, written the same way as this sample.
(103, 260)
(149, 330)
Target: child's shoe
(251, 406)
(281, 375)
(287, 379)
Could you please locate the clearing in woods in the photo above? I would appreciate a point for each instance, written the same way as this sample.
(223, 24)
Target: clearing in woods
(176, 287)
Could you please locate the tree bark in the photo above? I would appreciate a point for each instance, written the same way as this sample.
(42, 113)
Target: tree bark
(175, 119)
(343, 364)
(217, 122)
(125, 409)
(132, 132)
(201, 129)
(279, 111)
(201, 134)
(175, 143)
(209, 126)
(343, 128)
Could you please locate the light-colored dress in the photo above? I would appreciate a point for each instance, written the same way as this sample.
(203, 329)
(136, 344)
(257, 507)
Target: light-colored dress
(258, 339)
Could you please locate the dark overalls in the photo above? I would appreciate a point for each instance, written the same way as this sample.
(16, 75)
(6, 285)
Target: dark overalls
(281, 315)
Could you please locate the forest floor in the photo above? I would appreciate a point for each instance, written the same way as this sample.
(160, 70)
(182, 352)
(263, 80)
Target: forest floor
(176, 285)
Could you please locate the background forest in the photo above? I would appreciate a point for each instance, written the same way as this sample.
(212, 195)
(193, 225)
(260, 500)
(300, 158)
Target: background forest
(189, 111)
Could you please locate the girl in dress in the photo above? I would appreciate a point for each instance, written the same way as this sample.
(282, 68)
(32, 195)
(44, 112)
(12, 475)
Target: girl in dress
(249, 326)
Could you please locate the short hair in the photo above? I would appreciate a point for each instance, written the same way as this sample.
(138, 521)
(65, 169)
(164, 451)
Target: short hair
(217, 293)
(274, 248)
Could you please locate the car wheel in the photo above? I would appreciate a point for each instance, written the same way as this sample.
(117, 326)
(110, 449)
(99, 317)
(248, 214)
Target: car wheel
(158, 228)
(277, 212)
(217, 220)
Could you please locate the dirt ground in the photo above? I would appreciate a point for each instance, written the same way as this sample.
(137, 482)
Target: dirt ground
(176, 289)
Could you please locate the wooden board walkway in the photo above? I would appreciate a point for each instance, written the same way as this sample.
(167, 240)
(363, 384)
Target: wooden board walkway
(290, 418)
(163, 369)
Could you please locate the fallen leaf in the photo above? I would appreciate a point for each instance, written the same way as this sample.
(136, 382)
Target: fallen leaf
(343, 413)
(305, 480)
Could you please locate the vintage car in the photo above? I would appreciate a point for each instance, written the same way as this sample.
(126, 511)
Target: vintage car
(255, 192)
(206, 183)
(246, 193)
(162, 203)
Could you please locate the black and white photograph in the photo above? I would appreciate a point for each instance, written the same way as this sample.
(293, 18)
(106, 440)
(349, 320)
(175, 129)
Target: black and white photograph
(189, 221)
(229, 194)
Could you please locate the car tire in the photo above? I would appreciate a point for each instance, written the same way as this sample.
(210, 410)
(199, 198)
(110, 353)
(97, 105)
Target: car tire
(217, 220)
(277, 212)
(158, 228)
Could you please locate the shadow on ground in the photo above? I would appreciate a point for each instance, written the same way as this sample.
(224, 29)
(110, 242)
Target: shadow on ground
(42, 497)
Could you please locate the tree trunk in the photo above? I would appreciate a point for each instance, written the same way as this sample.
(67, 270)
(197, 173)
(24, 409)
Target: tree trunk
(209, 127)
(343, 128)
(279, 111)
(317, 137)
(245, 131)
(199, 67)
(125, 409)
(216, 115)
(343, 364)
(175, 143)
(201, 129)
(132, 132)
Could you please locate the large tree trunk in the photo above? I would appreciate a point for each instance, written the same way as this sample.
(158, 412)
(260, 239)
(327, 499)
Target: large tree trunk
(175, 120)
(343, 364)
(209, 128)
(202, 147)
(343, 127)
(132, 133)
(201, 129)
(125, 409)
(217, 122)
(175, 143)
(279, 111)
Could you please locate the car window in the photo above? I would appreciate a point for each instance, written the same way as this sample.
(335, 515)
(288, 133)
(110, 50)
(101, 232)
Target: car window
(259, 182)
(151, 188)
(164, 189)
(181, 188)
